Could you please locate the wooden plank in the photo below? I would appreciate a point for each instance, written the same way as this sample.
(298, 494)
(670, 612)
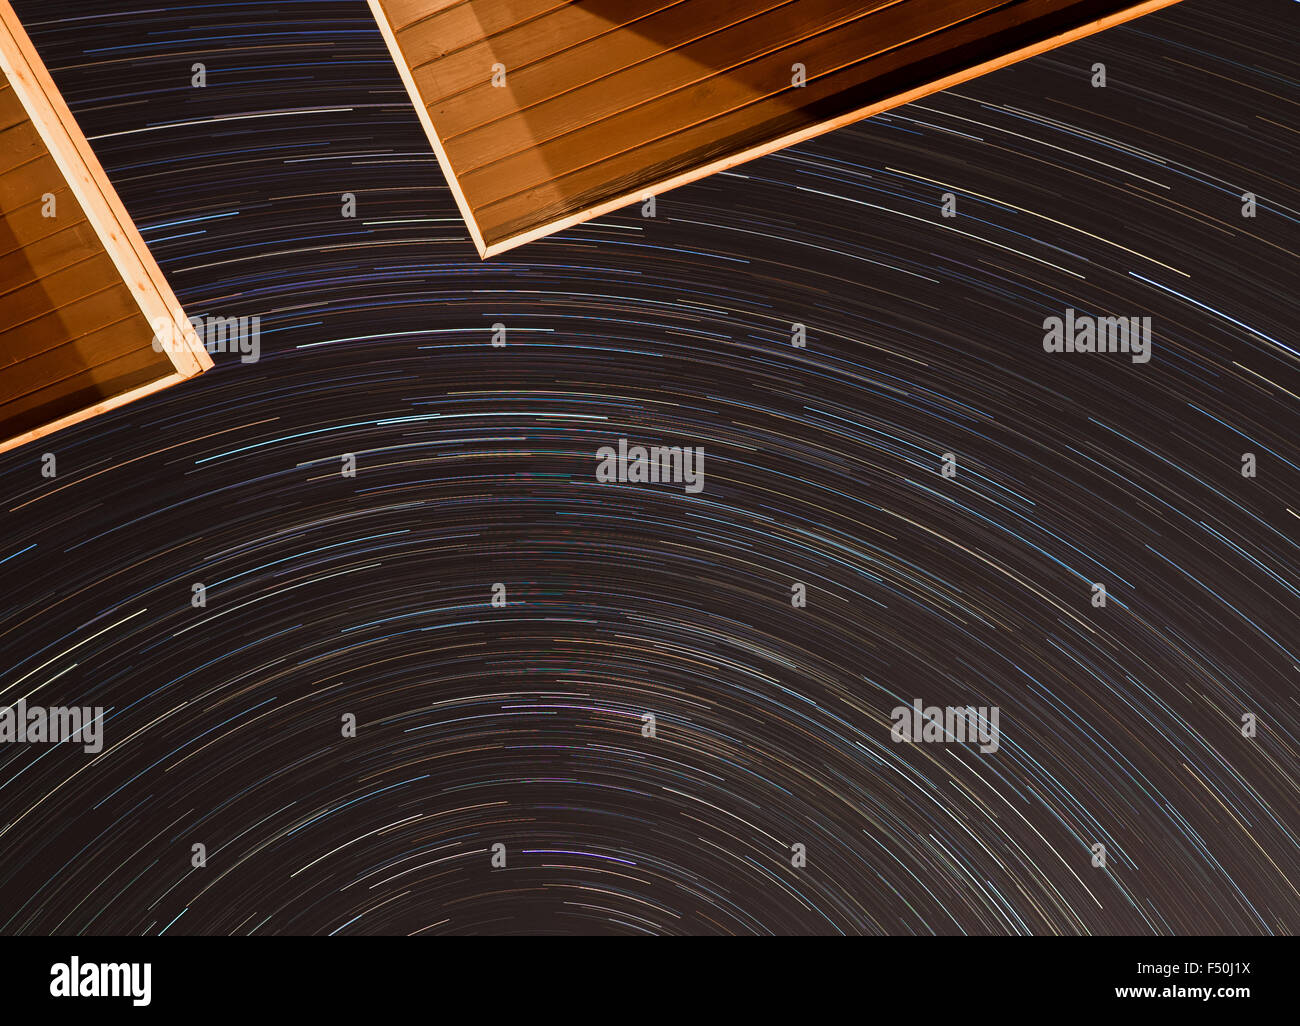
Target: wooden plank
(626, 68)
(105, 344)
(606, 100)
(59, 327)
(79, 292)
(63, 247)
(12, 111)
(559, 33)
(50, 240)
(744, 127)
(56, 290)
(462, 24)
(632, 108)
(92, 391)
(16, 184)
(20, 144)
(739, 104)
(407, 12)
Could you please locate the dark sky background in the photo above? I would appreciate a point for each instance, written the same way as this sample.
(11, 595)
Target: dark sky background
(522, 725)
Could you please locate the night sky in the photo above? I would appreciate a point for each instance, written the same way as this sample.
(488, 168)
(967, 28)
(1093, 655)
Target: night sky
(522, 725)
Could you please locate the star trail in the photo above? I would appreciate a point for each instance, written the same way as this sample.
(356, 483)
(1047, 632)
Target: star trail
(515, 716)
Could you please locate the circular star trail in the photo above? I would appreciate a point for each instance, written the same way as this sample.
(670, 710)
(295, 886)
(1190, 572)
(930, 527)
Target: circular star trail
(523, 724)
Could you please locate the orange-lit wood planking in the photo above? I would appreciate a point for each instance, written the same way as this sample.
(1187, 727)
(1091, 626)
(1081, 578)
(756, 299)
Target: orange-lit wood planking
(79, 292)
(607, 100)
